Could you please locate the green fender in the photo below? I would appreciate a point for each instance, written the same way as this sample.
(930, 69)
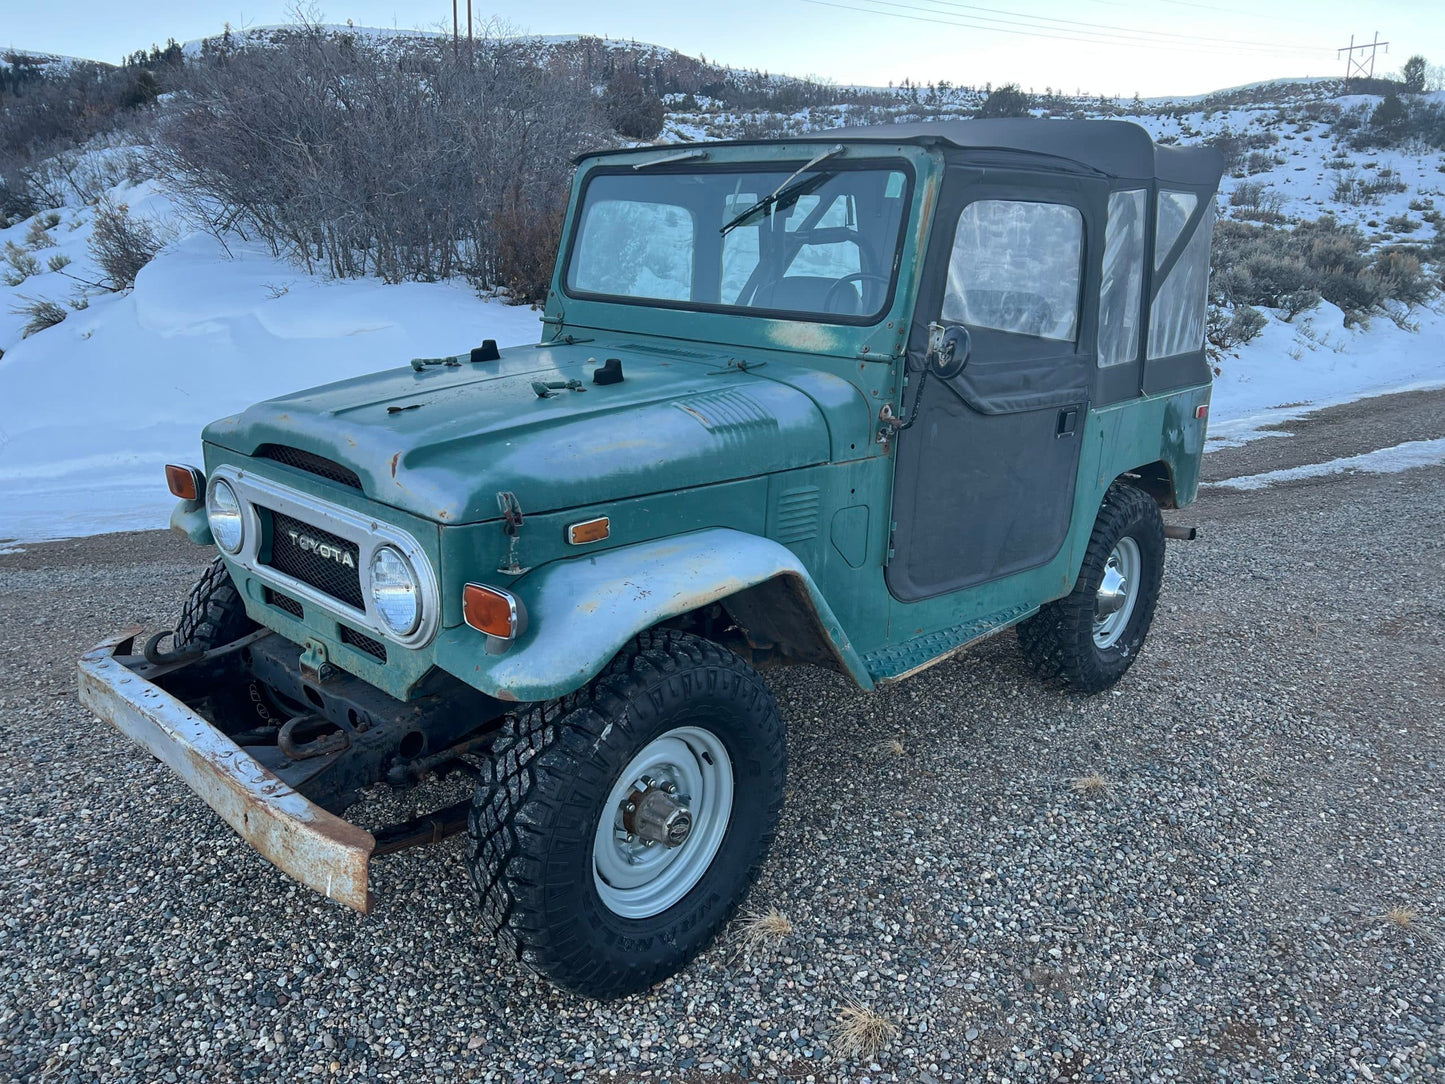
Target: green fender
(583, 611)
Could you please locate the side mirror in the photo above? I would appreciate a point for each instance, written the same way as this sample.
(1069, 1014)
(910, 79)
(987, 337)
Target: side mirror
(948, 349)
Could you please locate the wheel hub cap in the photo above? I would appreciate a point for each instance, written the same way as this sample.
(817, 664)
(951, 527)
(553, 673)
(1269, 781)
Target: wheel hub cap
(655, 816)
(1118, 592)
(1113, 591)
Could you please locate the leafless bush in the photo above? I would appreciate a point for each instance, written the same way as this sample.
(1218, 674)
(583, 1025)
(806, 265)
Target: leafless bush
(407, 164)
(121, 245)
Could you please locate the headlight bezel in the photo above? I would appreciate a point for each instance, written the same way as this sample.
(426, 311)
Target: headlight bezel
(411, 585)
(236, 513)
(261, 496)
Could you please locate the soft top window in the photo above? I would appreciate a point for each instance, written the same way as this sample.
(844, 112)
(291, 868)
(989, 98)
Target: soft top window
(1015, 267)
(826, 251)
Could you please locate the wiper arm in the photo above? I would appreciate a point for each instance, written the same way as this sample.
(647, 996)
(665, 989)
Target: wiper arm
(782, 192)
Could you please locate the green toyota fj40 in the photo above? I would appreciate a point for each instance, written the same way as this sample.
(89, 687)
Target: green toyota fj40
(855, 399)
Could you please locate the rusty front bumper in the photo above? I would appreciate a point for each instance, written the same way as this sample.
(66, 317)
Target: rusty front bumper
(315, 847)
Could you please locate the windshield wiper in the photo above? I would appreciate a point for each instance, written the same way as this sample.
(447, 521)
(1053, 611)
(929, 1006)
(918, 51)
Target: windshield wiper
(782, 193)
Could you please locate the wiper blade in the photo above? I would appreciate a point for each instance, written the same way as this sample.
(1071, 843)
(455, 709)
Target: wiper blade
(781, 194)
(685, 156)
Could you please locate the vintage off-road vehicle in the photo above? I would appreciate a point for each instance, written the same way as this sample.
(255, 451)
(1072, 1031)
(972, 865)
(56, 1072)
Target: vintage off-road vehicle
(855, 399)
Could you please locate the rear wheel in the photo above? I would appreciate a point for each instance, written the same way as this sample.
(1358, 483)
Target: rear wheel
(1090, 638)
(214, 616)
(616, 830)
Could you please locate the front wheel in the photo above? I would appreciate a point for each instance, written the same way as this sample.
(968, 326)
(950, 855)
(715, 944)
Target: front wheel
(1089, 638)
(616, 830)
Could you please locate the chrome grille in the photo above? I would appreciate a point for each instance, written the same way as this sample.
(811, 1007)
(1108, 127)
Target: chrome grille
(323, 573)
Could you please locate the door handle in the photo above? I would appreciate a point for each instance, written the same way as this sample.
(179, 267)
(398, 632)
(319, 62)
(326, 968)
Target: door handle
(1068, 422)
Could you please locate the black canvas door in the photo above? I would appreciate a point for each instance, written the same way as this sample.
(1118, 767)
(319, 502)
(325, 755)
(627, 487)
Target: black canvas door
(984, 480)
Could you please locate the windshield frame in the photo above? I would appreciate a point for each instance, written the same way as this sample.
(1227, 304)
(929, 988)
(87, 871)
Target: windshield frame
(784, 166)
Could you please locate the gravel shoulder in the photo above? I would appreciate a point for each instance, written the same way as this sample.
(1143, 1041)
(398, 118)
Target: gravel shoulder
(1253, 888)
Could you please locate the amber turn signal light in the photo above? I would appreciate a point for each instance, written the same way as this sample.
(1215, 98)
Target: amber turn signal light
(493, 611)
(185, 482)
(589, 530)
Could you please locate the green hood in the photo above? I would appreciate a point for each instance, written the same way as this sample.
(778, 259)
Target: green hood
(440, 443)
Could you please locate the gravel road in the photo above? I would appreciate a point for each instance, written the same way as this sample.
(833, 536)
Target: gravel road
(1252, 889)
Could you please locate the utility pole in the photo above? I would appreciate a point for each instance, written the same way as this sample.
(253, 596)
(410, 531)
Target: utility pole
(1364, 67)
(470, 45)
(456, 34)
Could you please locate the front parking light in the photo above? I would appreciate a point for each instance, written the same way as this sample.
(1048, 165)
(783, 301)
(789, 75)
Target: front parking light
(185, 482)
(493, 611)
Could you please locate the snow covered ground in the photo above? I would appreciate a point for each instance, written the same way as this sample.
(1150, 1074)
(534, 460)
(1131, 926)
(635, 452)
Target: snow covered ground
(91, 408)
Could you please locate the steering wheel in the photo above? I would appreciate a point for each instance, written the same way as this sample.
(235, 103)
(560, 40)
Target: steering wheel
(856, 276)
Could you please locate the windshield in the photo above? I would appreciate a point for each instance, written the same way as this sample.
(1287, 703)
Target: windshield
(826, 246)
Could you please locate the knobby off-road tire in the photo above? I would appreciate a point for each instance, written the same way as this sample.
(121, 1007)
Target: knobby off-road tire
(1060, 641)
(213, 616)
(543, 814)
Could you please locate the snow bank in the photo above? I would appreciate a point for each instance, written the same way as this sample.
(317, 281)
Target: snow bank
(1392, 460)
(92, 409)
(1315, 362)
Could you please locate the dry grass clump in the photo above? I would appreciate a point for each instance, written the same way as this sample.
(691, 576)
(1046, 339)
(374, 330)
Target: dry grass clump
(1091, 784)
(761, 928)
(40, 313)
(893, 747)
(862, 1032)
(1402, 917)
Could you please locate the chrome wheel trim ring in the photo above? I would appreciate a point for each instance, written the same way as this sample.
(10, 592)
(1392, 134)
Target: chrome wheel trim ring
(635, 880)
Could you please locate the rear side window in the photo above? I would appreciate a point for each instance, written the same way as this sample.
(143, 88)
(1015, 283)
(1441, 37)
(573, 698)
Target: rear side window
(1123, 278)
(1176, 319)
(1015, 267)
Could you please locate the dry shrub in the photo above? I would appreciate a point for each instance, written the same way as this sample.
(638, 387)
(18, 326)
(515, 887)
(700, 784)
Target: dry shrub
(400, 160)
(122, 245)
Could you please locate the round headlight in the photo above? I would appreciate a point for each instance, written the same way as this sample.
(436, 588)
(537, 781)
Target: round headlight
(395, 590)
(223, 510)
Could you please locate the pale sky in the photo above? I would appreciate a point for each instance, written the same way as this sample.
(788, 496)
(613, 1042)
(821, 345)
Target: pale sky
(1154, 47)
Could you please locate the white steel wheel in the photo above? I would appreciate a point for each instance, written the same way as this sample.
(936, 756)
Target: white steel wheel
(1118, 592)
(685, 778)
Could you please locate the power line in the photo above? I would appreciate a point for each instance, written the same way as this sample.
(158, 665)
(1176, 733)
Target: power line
(1098, 28)
(975, 23)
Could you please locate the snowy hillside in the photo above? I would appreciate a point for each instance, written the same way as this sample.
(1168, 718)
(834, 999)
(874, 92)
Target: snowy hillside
(97, 403)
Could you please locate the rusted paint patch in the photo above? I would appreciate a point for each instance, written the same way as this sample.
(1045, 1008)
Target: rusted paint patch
(315, 847)
(395, 459)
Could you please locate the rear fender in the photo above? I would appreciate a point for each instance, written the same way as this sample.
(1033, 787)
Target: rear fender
(583, 611)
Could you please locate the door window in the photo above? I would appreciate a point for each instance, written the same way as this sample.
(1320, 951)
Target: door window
(1015, 267)
(1123, 279)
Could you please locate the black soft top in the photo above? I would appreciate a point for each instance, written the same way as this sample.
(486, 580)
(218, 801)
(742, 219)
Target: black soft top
(1115, 148)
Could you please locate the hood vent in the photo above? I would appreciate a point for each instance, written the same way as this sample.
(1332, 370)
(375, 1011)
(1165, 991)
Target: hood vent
(733, 415)
(310, 462)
